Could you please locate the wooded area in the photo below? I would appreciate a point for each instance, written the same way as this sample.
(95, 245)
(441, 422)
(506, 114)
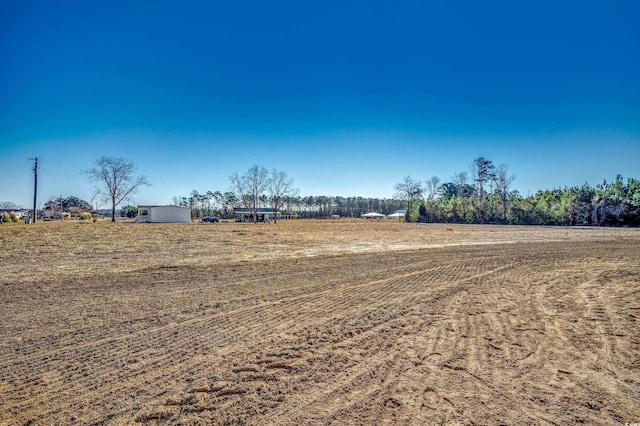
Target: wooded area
(304, 207)
(614, 203)
(487, 198)
(483, 195)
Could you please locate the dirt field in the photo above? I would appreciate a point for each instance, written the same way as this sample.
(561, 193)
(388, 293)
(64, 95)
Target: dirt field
(318, 322)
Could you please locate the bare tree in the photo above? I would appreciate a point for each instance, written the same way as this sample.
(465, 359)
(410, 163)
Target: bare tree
(432, 187)
(503, 182)
(460, 180)
(250, 186)
(115, 180)
(280, 188)
(408, 190)
(9, 205)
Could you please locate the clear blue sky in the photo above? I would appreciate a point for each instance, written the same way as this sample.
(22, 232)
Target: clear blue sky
(346, 97)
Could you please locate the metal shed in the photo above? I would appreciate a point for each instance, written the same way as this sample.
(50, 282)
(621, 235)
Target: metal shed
(164, 214)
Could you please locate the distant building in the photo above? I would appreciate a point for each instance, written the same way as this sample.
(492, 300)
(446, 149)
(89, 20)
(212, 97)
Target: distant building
(164, 214)
(372, 215)
(399, 214)
(263, 215)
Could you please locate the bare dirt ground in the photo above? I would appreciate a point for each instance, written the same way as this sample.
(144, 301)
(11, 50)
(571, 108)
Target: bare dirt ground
(318, 322)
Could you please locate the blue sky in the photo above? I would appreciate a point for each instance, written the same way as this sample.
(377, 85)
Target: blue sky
(346, 97)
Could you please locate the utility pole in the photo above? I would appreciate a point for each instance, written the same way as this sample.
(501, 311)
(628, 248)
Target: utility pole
(35, 190)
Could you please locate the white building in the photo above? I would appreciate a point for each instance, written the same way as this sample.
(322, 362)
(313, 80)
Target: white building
(372, 215)
(164, 214)
(399, 214)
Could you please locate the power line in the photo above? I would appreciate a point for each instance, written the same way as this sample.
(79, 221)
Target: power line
(55, 183)
(2, 174)
(22, 172)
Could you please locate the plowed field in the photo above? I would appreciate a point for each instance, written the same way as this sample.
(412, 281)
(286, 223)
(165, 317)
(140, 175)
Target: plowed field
(318, 322)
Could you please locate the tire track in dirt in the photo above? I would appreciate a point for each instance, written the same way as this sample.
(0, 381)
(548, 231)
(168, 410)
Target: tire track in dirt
(516, 334)
(336, 295)
(503, 345)
(471, 349)
(462, 368)
(375, 357)
(240, 300)
(280, 301)
(83, 354)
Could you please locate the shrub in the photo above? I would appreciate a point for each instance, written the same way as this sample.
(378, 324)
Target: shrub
(85, 216)
(9, 217)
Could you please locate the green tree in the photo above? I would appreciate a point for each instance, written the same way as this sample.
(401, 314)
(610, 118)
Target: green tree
(422, 213)
(67, 204)
(229, 201)
(129, 211)
(483, 172)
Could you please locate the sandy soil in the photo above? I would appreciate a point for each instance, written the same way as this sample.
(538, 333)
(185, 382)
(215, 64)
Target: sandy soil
(318, 322)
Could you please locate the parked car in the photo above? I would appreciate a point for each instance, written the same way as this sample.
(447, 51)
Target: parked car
(210, 219)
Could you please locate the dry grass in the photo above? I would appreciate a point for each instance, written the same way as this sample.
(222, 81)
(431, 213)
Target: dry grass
(315, 322)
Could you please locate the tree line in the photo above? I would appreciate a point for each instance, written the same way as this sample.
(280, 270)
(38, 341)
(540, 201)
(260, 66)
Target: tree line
(305, 207)
(260, 188)
(484, 195)
(481, 195)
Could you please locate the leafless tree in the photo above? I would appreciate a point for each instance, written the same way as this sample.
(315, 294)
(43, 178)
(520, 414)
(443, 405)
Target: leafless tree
(432, 187)
(115, 180)
(250, 186)
(503, 182)
(9, 205)
(280, 188)
(461, 181)
(409, 190)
